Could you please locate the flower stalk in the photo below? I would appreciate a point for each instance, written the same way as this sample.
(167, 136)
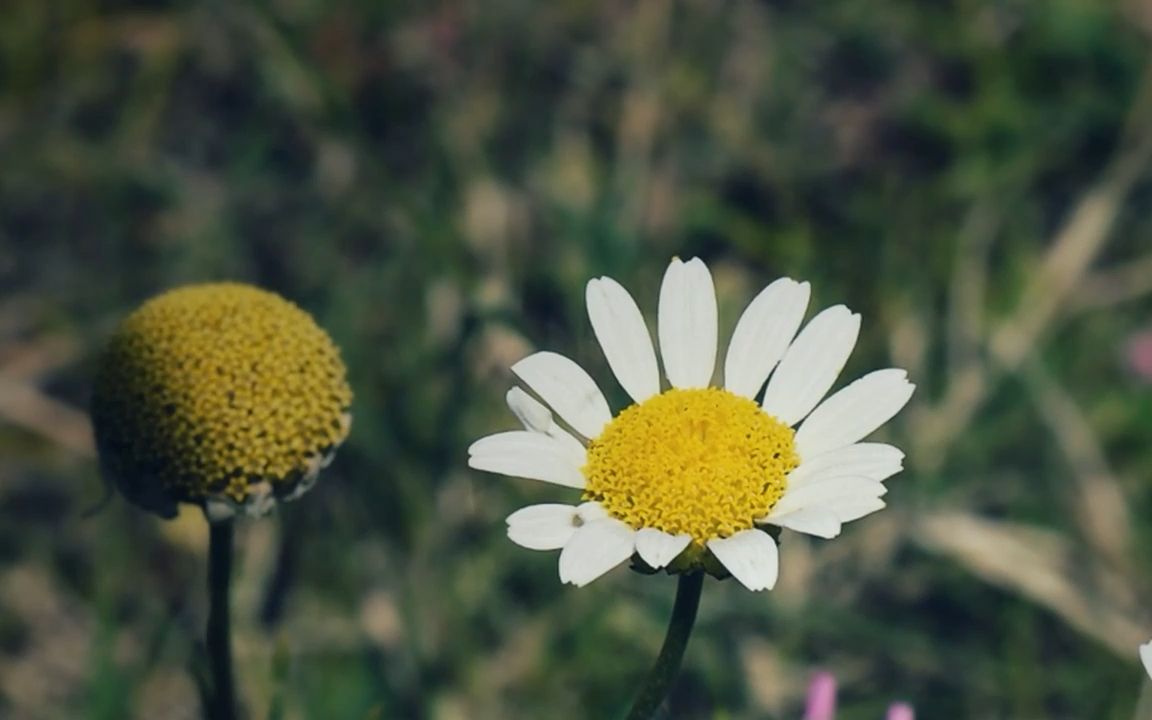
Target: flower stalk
(667, 666)
(221, 703)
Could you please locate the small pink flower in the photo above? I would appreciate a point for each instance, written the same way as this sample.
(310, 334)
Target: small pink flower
(1138, 354)
(821, 703)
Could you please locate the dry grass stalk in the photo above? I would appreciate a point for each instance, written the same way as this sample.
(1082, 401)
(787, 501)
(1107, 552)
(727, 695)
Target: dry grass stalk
(1043, 566)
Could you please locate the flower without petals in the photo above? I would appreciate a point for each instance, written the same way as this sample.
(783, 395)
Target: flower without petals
(689, 476)
(222, 395)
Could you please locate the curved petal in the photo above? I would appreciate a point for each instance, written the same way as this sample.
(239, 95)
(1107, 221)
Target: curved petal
(686, 324)
(762, 335)
(520, 453)
(824, 493)
(811, 364)
(534, 416)
(1146, 657)
(624, 338)
(811, 521)
(596, 548)
(854, 412)
(875, 461)
(567, 389)
(528, 410)
(658, 548)
(751, 556)
(543, 527)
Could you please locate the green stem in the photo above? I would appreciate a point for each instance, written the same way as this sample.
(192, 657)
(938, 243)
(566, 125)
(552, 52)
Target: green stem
(222, 704)
(667, 666)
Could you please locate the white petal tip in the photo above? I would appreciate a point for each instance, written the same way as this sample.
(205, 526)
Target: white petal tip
(567, 388)
(751, 556)
(594, 549)
(687, 324)
(819, 523)
(657, 548)
(623, 335)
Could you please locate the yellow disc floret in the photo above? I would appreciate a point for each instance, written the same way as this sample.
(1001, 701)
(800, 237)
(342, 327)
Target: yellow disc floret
(218, 394)
(704, 462)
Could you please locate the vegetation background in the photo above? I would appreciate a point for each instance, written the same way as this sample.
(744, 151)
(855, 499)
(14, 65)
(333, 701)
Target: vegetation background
(435, 182)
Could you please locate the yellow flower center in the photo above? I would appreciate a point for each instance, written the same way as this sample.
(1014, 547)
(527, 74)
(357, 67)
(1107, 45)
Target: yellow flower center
(218, 390)
(704, 462)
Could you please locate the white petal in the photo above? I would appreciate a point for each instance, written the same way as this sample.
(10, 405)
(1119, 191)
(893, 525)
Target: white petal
(854, 508)
(623, 337)
(567, 389)
(875, 461)
(572, 447)
(534, 443)
(520, 453)
(590, 511)
(528, 410)
(543, 527)
(811, 521)
(824, 493)
(811, 364)
(658, 548)
(854, 412)
(531, 468)
(537, 418)
(1146, 657)
(762, 335)
(687, 324)
(594, 549)
(751, 556)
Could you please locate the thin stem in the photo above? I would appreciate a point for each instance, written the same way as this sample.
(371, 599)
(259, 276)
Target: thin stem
(667, 666)
(222, 703)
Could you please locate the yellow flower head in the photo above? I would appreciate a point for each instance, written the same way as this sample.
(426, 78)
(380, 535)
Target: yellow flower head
(222, 395)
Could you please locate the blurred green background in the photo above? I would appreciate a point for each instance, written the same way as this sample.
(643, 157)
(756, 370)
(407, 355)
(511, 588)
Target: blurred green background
(435, 182)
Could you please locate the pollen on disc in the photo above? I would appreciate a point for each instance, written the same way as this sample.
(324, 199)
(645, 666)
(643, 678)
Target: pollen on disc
(218, 391)
(706, 462)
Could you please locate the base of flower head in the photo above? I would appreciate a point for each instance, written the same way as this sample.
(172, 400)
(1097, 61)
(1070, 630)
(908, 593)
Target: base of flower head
(695, 558)
(261, 497)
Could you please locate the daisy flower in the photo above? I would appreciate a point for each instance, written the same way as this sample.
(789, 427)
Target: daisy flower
(692, 476)
(1146, 657)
